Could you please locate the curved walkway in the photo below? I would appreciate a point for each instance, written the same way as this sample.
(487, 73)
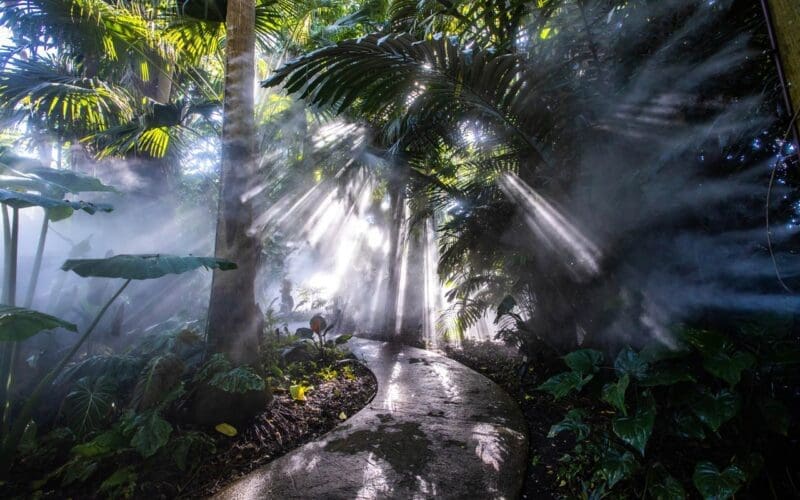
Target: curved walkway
(435, 429)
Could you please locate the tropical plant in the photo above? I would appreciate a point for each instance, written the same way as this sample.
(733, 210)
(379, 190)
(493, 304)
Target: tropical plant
(667, 406)
(127, 267)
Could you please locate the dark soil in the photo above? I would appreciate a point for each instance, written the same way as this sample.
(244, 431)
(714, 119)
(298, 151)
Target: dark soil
(285, 425)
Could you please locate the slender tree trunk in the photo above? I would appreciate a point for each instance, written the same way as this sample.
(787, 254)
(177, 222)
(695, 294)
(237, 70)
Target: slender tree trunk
(234, 319)
(786, 19)
(395, 255)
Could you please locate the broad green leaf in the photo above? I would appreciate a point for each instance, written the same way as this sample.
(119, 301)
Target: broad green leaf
(239, 380)
(562, 384)
(304, 333)
(142, 267)
(616, 466)
(341, 339)
(18, 323)
(103, 444)
(120, 484)
(74, 182)
(714, 409)
(614, 394)
(776, 415)
(573, 422)
(628, 362)
(226, 429)
(663, 486)
(728, 367)
(635, 429)
(26, 200)
(716, 485)
(77, 469)
(88, 404)
(152, 433)
(584, 361)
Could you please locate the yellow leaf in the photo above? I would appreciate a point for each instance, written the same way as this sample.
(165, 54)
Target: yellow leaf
(342, 415)
(298, 392)
(226, 429)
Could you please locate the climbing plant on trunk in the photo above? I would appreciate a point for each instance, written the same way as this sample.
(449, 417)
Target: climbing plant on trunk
(234, 320)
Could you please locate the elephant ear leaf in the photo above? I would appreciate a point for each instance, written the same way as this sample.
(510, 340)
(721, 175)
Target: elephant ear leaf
(143, 267)
(18, 323)
(74, 182)
(716, 485)
(16, 199)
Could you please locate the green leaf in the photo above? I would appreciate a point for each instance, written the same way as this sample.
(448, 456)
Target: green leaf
(120, 484)
(714, 409)
(158, 379)
(562, 384)
(616, 466)
(103, 444)
(716, 485)
(239, 380)
(584, 361)
(74, 182)
(77, 469)
(728, 367)
(20, 200)
(143, 267)
(776, 415)
(614, 394)
(304, 333)
(18, 323)
(663, 486)
(88, 404)
(189, 450)
(152, 433)
(341, 339)
(635, 430)
(628, 362)
(573, 422)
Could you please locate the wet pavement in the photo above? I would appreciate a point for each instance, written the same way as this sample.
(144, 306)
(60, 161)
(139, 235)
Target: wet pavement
(435, 429)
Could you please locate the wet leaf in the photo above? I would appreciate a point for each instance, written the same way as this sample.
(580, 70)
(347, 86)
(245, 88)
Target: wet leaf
(728, 367)
(152, 433)
(562, 384)
(616, 466)
(614, 394)
(572, 422)
(716, 485)
(714, 409)
(629, 363)
(635, 430)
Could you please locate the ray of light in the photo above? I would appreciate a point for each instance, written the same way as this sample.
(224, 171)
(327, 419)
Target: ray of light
(552, 227)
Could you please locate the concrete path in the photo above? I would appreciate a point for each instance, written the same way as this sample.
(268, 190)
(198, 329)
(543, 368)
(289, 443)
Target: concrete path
(435, 429)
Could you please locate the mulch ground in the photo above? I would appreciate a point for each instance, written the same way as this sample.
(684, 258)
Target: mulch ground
(287, 424)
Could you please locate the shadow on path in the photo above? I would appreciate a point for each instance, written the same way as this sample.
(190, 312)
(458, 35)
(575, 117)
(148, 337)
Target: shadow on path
(436, 429)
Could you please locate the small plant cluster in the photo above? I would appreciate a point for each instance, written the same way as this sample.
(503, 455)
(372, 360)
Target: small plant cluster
(708, 415)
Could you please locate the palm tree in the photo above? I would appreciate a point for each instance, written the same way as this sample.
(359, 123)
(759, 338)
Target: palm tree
(234, 319)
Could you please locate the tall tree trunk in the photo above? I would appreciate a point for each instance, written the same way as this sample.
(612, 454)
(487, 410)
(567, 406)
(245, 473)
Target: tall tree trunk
(785, 17)
(234, 319)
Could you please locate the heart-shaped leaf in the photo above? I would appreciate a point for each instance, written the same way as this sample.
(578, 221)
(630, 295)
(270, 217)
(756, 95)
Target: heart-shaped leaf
(663, 486)
(716, 485)
(616, 466)
(573, 422)
(628, 362)
(562, 384)
(584, 361)
(714, 409)
(152, 433)
(635, 430)
(614, 394)
(728, 367)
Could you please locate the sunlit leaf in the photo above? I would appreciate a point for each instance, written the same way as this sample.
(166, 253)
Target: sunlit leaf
(142, 267)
